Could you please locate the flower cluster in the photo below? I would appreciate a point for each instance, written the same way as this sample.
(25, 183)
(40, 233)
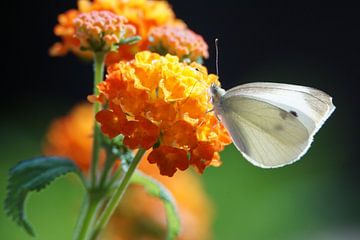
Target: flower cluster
(100, 31)
(178, 41)
(161, 103)
(71, 136)
(154, 22)
(142, 14)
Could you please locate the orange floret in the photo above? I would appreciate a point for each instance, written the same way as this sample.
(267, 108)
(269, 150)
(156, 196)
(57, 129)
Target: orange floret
(143, 14)
(140, 133)
(179, 41)
(169, 159)
(115, 121)
(165, 101)
(100, 31)
(180, 134)
(202, 155)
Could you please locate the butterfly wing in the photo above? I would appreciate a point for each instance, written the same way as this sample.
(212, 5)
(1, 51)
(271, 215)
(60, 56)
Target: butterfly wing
(273, 124)
(312, 106)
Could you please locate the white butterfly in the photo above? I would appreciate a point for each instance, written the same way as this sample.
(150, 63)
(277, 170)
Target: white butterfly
(271, 124)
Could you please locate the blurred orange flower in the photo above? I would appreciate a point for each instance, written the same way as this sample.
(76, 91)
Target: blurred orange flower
(139, 216)
(143, 14)
(71, 136)
(164, 101)
(178, 41)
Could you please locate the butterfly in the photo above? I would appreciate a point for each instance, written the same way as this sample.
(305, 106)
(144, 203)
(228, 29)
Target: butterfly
(271, 124)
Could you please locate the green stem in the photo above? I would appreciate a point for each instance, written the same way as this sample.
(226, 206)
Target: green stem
(119, 192)
(108, 166)
(115, 178)
(91, 205)
(98, 77)
(87, 218)
(81, 219)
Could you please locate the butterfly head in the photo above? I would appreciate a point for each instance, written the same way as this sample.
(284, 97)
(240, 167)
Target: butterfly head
(216, 92)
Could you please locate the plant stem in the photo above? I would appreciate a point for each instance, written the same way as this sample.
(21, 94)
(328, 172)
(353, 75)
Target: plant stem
(119, 192)
(108, 166)
(88, 215)
(92, 202)
(81, 219)
(115, 178)
(98, 77)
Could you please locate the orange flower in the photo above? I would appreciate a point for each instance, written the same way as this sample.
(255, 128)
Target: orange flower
(100, 31)
(139, 216)
(178, 41)
(143, 14)
(71, 136)
(168, 101)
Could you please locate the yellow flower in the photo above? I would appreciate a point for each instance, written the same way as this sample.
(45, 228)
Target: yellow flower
(165, 103)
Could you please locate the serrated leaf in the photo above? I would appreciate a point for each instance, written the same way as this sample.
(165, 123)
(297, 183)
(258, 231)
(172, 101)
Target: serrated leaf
(32, 175)
(156, 189)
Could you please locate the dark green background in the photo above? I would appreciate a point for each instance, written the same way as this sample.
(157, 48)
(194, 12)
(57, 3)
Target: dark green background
(315, 198)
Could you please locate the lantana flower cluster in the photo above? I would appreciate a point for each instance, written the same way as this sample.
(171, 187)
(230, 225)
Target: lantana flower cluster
(161, 103)
(142, 14)
(101, 30)
(178, 41)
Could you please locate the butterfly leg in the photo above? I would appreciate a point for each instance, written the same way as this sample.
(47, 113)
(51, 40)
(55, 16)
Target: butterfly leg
(211, 110)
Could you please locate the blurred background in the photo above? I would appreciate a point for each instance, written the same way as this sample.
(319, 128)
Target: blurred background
(316, 198)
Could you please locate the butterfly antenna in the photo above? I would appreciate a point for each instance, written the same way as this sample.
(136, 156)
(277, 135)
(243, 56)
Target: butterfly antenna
(217, 56)
(193, 87)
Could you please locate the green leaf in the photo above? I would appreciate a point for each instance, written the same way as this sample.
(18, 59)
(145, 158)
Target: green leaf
(156, 189)
(32, 175)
